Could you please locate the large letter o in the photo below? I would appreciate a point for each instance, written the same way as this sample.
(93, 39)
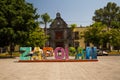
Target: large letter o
(56, 53)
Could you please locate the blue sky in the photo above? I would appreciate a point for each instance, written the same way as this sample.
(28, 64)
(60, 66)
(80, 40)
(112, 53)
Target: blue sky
(78, 12)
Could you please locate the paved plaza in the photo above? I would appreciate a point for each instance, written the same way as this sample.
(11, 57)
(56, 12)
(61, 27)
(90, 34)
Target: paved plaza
(107, 68)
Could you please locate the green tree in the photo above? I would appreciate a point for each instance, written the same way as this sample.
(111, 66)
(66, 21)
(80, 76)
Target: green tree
(17, 19)
(36, 38)
(73, 26)
(72, 51)
(115, 38)
(45, 19)
(93, 34)
(105, 39)
(109, 15)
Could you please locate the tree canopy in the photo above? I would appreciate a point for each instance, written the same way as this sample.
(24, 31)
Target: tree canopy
(36, 38)
(17, 19)
(73, 26)
(115, 37)
(93, 33)
(109, 15)
(45, 19)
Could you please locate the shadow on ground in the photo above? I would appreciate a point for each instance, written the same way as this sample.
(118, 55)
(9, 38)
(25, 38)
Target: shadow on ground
(7, 57)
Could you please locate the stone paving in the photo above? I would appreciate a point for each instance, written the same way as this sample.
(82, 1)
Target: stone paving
(107, 68)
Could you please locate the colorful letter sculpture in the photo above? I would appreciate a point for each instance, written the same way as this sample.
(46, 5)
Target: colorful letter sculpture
(94, 52)
(25, 51)
(59, 53)
(38, 52)
(60, 50)
(80, 52)
(91, 52)
(48, 51)
(88, 51)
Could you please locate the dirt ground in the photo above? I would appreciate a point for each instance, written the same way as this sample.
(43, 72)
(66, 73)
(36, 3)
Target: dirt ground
(107, 68)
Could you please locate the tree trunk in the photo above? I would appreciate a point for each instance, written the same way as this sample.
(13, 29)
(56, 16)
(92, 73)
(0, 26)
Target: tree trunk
(12, 47)
(104, 46)
(118, 49)
(45, 29)
(45, 32)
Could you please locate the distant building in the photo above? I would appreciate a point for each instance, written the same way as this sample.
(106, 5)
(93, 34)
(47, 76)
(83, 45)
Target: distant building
(60, 35)
(78, 38)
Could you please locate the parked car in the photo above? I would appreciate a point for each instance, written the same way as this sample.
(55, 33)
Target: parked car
(102, 53)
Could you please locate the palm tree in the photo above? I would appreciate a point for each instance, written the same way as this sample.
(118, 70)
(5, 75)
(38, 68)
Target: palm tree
(45, 19)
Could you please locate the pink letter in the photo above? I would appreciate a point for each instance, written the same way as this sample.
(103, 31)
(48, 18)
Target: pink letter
(57, 51)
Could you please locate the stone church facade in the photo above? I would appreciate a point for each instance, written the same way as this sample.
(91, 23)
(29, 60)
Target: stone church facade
(60, 35)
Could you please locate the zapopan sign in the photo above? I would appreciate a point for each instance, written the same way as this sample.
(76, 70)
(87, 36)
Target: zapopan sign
(64, 53)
